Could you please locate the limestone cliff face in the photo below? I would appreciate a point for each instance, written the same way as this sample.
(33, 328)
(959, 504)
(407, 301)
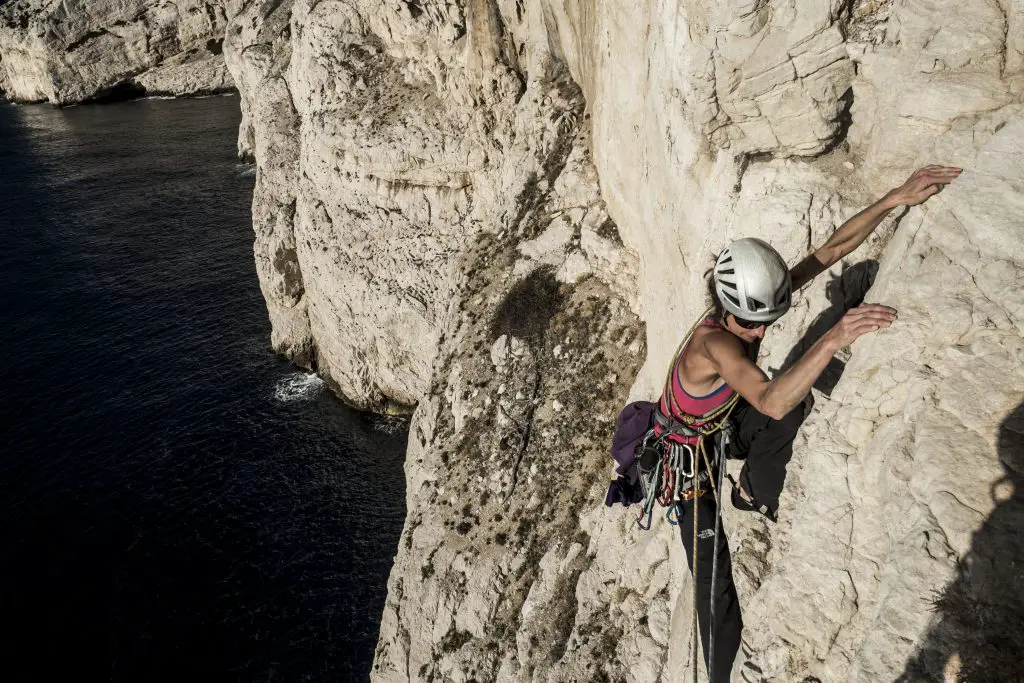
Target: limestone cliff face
(708, 122)
(67, 51)
(500, 211)
(389, 140)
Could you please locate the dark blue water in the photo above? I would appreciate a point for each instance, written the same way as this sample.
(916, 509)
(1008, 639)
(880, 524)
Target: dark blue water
(176, 502)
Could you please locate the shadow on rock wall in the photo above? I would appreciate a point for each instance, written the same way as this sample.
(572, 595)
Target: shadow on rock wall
(979, 631)
(844, 292)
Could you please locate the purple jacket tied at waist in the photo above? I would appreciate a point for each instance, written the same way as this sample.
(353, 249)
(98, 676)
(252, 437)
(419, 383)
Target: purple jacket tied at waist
(634, 421)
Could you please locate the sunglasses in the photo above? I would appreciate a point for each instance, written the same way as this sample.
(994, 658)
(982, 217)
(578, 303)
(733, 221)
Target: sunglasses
(751, 324)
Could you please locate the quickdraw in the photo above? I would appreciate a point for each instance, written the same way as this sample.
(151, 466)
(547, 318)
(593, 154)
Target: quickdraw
(675, 472)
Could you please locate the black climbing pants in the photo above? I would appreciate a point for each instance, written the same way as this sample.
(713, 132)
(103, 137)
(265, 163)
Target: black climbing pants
(728, 623)
(766, 445)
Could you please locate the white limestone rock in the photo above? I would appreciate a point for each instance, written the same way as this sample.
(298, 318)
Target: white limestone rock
(257, 49)
(447, 191)
(430, 181)
(75, 51)
(914, 499)
(385, 141)
(423, 168)
(186, 77)
(913, 427)
(519, 471)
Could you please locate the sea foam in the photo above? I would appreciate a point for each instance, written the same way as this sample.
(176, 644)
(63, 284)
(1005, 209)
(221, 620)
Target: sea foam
(298, 386)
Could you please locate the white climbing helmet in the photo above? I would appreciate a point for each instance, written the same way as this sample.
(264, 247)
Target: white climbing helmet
(752, 281)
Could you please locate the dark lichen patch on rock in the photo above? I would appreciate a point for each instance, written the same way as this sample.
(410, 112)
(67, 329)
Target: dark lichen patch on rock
(609, 231)
(455, 639)
(521, 415)
(525, 468)
(528, 308)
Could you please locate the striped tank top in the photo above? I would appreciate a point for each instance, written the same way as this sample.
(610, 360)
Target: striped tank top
(676, 401)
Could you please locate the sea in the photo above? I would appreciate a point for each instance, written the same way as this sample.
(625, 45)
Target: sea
(177, 502)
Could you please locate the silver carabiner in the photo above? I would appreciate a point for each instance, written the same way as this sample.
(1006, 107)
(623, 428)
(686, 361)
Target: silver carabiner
(689, 449)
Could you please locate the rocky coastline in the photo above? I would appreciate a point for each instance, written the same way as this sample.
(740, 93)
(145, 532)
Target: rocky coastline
(499, 212)
(80, 51)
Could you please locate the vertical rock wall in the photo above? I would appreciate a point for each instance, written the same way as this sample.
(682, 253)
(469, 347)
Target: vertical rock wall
(782, 120)
(905, 500)
(387, 140)
(902, 498)
(500, 211)
(465, 204)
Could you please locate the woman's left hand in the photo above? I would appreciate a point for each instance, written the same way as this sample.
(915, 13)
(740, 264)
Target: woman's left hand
(923, 184)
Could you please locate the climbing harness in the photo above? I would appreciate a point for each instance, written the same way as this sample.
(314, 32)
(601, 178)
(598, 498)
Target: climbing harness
(677, 470)
(668, 468)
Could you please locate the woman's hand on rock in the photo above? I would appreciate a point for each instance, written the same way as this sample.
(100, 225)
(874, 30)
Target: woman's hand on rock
(859, 321)
(922, 184)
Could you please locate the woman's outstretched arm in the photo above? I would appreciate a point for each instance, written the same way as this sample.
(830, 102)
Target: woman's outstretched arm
(919, 187)
(778, 396)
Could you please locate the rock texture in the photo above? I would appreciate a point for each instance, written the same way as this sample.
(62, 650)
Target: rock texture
(388, 140)
(781, 120)
(70, 51)
(910, 475)
(500, 211)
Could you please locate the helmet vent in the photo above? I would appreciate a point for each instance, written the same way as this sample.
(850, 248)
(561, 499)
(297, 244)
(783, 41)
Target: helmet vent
(731, 298)
(727, 282)
(726, 271)
(757, 305)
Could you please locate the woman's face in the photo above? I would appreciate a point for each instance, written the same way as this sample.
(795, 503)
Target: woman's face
(743, 333)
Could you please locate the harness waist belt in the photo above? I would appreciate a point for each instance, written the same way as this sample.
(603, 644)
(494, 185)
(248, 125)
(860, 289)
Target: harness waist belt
(673, 425)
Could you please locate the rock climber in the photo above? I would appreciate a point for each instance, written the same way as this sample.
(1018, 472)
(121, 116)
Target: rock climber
(751, 288)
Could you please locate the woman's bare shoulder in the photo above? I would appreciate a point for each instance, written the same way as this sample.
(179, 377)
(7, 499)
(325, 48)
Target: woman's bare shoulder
(718, 343)
(717, 336)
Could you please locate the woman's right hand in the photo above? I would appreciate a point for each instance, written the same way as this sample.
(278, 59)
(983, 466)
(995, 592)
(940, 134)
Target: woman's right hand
(859, 321)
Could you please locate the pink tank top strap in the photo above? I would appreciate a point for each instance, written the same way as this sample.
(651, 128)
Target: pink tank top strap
(676, 401)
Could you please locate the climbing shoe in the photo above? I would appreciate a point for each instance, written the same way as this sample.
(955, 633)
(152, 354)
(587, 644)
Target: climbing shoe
(740, 503)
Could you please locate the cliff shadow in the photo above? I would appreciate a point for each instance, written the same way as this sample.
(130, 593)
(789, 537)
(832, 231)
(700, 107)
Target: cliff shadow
(844, 291)
(977, 635)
